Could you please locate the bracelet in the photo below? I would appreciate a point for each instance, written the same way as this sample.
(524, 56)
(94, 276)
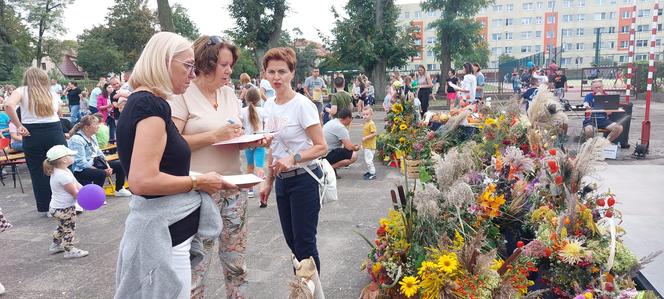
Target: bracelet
(194, 183)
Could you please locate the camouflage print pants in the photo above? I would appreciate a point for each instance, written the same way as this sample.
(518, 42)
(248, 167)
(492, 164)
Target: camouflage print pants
(64, 234)
(4, 223)
(232, 247)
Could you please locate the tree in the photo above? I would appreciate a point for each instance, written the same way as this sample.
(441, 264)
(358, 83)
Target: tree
(15, 43)
(56, 48)
(245, 64)
(258, 25)
(165, 15)
(130, 25)
(306, 61)
(371, 38)
(183, 24)
(45, 16)
(457, 32)
(503, 58)
(98, 55)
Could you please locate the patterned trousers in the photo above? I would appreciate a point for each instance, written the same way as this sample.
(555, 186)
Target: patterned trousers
(232, 248)
(4, 223)
(64, 234)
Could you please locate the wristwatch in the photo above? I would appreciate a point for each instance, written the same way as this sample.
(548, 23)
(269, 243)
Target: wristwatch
(297, 157)
(194, 183)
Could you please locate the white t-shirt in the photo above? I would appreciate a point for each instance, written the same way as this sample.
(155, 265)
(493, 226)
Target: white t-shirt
(469, 83)
(269, 91)
(290, 121)
(248, 129)
(28, 117)
(60, 198)
(56, 89)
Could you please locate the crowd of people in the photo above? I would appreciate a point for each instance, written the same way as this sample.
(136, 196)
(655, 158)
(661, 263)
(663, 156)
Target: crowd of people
(177, 102)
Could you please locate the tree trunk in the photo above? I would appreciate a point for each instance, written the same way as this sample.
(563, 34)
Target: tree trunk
(379, 69)
(40, 38)
(274, 35)
(379, 80)
(446, 57)
(165, 16)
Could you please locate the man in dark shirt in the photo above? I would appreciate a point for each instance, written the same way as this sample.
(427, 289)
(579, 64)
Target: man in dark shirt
(560, 84)
(74, 100)
(111, 121)
(598, 119)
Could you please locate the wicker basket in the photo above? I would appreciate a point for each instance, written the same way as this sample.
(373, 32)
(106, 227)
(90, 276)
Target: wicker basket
(412, 169)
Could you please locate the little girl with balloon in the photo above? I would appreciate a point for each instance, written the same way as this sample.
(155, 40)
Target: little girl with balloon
(64, 189)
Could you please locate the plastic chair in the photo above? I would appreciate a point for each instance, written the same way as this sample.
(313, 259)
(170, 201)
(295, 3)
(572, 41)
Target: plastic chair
(13, 164)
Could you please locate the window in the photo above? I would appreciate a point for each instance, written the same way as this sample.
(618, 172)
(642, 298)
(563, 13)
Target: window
(550, 19)
(624, 44)
(641, 42)
(497, 8)
(496, 36)
(418, 42)
(497, 22)
(624, 29)
(538, 49)
(641, 57)
(582, 3)
(551, 4)
(612, 15)
(417, 14)
(508, 35)
(538, 34)
(406, 15)
(612, 29)
(579, 60)
(509, 7)
(508, 50)
(626, 15)
(431, 40)
(528, 6)
(581, 17)
(642, 28)
(509, 22)
(429, 53)
(658, 42)
(567, 18)
(567, 46)
(567, 3)
(622, 58)
(567, 32)
(643, 13)
(549, 34)
(598, 16)
(579, 31)
(525, 21)
(579, 46)
(526, 49)
(431, 67)
(526, 35)
(538, 20)
(566, 61)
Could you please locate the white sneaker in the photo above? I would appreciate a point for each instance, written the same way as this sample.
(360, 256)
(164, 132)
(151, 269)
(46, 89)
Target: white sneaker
(55, 248)
(250, 194)
(75, 253)
(122, 193)
(2, 289)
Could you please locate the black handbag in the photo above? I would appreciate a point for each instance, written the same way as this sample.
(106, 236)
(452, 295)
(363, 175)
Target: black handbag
(99, 162)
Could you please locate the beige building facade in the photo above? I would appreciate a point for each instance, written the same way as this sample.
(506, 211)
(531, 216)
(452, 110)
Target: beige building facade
(564, 30)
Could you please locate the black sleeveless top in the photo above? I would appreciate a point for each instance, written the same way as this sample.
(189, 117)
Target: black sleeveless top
(177, 154)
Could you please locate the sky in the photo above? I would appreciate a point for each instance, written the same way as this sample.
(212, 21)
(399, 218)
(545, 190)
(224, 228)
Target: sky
(212, 16)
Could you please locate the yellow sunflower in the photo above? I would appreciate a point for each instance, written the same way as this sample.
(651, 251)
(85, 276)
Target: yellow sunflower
(448, 263)
(397, 108)
(409, 286)
(402, 140)
(403, 127)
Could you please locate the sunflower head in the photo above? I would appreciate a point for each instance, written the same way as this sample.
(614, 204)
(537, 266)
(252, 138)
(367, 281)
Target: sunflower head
(409, 286)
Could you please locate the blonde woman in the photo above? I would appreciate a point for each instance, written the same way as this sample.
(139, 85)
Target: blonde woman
(245, 84)
(40, 127)
(169, 218)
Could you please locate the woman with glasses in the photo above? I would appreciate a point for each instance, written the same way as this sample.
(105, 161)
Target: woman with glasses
(297, 145)
(209, 112)
(168, 217)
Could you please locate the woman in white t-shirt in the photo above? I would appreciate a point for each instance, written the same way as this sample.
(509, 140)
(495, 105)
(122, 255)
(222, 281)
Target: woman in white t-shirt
(40, 127)
(299, 141)
(468, 85)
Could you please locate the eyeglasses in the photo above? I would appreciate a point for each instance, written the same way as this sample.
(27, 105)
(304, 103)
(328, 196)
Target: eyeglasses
(191, 68)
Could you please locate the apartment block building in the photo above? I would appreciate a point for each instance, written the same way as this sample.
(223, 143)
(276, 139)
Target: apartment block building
(562, 29)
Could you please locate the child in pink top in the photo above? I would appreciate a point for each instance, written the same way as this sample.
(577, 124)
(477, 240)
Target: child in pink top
(103, 104)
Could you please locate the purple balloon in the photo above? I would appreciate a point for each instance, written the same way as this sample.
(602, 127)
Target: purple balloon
(91, 197)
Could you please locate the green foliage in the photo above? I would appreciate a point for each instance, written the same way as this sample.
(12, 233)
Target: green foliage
(183, 24)
(306, 60)
(15, 43)
(130, 24)
(45, 17)
(55, 48)
(99, 56)
(258, 25)
(458, 34)
(245, 64)
(358, 40)
(504, 58)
